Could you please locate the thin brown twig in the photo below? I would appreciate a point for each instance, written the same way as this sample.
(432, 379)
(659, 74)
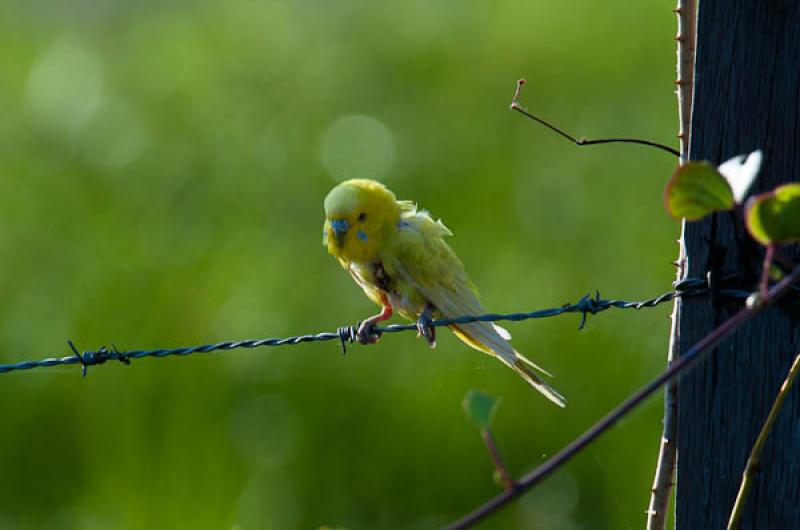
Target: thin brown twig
(499, 466)
(665, 474)
(688, 359)
(664, 478)
(687, 43)
(768, 255)
(582, 141)
(751, 469)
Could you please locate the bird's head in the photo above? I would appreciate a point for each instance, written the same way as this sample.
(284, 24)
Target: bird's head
(360, 215)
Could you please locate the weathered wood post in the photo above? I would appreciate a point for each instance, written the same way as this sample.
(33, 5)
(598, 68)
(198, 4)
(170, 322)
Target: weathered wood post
(747, 96)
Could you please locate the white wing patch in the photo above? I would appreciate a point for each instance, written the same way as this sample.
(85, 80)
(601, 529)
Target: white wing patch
(503, 332)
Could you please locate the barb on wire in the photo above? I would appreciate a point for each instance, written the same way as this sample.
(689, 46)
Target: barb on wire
(347, 334)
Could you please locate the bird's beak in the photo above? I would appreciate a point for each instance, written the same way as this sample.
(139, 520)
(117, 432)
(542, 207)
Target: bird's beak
(340, 228)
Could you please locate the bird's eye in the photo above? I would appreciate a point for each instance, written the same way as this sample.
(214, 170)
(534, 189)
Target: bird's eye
(362, 216)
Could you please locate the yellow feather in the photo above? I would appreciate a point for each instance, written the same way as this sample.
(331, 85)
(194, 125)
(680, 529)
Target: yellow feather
(397, 253)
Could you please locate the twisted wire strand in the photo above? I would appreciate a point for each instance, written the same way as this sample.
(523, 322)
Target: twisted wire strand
(348, 334)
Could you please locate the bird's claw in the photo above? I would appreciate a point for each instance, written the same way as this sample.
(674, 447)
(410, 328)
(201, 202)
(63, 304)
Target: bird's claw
(426, 330)
(366, 333)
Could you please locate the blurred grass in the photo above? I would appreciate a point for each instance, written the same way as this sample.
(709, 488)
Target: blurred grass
(161, 183)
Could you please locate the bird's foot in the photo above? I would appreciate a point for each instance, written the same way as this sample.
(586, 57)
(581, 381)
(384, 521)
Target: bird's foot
(366, 333)
(425, 329)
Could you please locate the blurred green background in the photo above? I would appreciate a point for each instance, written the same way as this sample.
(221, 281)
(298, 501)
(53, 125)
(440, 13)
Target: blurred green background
(162, 171)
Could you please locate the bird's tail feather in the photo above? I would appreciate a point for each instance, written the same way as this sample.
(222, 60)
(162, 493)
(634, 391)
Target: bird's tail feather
(484, 338)
(533, 364)
(524, 370)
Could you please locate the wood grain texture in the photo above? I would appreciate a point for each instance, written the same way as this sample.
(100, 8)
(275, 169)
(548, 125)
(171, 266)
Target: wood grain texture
(747, 96)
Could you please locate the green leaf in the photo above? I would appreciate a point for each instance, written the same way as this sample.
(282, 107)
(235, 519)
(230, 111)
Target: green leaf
(480, 408)
(695, 190)
(774, 217)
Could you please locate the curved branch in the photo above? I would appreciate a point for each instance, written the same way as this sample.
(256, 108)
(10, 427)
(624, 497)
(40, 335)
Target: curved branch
(751, 469)
(582, 141)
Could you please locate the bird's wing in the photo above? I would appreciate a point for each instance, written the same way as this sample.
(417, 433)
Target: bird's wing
(420, 258)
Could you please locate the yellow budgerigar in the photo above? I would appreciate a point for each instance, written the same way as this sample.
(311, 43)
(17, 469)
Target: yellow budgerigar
(398, 255)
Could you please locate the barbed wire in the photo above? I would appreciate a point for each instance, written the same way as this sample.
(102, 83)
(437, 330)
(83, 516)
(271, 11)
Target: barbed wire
(588, 305)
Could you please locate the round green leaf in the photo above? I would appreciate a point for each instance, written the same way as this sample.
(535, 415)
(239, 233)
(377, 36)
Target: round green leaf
(774, 217)
(480, 408)
(695, 190)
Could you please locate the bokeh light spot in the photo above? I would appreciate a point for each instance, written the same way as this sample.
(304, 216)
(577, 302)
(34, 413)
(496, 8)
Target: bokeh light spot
(357, 146)
(65, 87)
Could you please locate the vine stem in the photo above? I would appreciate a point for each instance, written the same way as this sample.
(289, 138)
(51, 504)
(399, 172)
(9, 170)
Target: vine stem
(689, 358)
(686, 38)
(664, 479)
(751, 469)
(500, 468)
(768, 255)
